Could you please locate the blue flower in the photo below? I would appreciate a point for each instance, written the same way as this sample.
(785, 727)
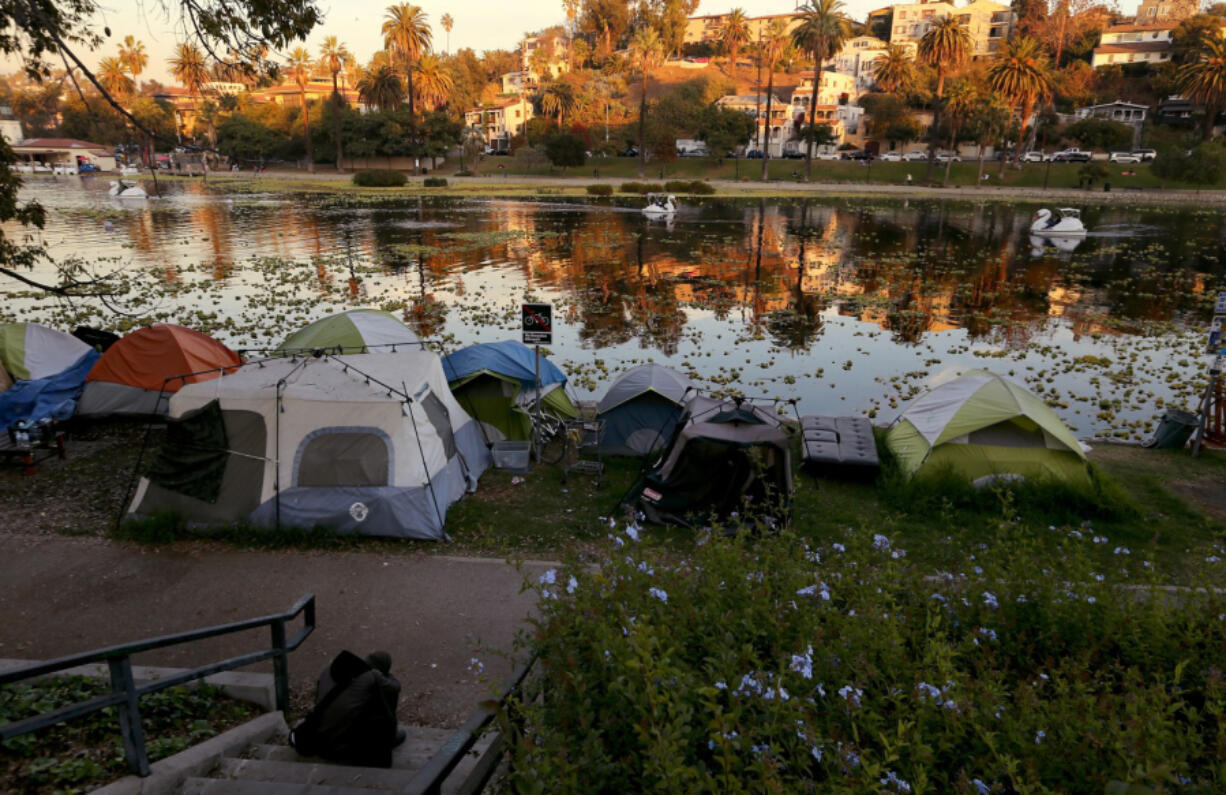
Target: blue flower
(1039, 735)
(880, 542)
(803, 663)
(549, 577)
(658, 594)
(980, 787)
(571, 585)
(891, 779)
(989, 599)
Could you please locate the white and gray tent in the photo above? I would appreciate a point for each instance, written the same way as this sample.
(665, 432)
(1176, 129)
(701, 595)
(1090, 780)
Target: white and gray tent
(641, 409)
(367, 443)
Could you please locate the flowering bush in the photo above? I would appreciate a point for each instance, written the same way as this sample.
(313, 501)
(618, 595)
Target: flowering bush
(773, 665)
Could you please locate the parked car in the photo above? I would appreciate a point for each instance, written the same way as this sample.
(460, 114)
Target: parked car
(88, 168)
(631, 151)
(1123, 157)
(862, 154)
(1035, 156)
(946, 157)
(915, 157)
(754, 154)
(890, 157)
(1146, 155)
(697, 153)
(823, 156)
(1073, 155)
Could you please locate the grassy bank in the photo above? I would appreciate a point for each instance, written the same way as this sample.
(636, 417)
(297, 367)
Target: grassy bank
(1160, 504)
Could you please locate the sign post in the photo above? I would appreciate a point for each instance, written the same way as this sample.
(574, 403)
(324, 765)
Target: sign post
(536, 320)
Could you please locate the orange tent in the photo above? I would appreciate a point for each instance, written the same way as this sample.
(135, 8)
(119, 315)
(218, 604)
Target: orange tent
(135, 373)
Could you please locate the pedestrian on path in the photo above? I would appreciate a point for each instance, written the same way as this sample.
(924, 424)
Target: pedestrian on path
(354, 720)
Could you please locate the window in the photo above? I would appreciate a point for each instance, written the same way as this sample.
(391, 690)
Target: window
(344, 457)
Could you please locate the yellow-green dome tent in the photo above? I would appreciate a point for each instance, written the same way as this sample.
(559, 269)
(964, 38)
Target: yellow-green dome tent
(983, 425)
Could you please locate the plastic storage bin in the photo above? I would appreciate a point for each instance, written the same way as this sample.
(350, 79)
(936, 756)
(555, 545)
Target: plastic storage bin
(512, 456)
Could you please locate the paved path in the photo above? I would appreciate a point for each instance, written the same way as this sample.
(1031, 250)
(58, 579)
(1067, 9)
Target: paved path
(62, 595)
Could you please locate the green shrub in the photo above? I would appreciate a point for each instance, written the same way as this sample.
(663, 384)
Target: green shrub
(435, 182)
(696, 188)
(763, 663)
(1204, 164)
(600, 190)
(700, 188)
(641, 187)
(677, 186)
(463, 173)
(379, 178)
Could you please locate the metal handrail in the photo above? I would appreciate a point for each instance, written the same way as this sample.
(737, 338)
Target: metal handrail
(125, 692)
(429, 780)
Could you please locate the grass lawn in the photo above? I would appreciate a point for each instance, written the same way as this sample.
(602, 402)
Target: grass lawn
(1031, 175)
(1161, 504)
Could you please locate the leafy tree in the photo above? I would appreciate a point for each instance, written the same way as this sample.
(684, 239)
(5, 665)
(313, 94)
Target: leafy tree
(960, 104)
(822, 30)
(565, 150)
(1021, 75)
(89, 118)
(895, 71)
(300, 69)
(440, 133)
(945, 47)
(243, 138)
(333, 55)
(1191, 37)
(988, 124)
(1205, 164)
(406, 36)
(605, 20)
(448, 22)
(1204, 81)
(723, 129)
(113, 74)
(646, 53)
(434, 81)
(558, 98)
(132, 53)
(734, 34)
(772, 49)
(1100, 134)
(381, 87)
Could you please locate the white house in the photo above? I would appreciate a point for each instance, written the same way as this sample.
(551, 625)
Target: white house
(1125, 112)
(1125, 44)
(858, 58)
(501, 121)
(771, 136)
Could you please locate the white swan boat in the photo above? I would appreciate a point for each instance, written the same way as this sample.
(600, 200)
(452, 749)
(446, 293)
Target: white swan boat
(1064, 244)
(1065, 222)
(660, 205)
(122, 189)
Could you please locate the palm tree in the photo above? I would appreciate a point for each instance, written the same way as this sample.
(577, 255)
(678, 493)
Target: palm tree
(1021, 75)
(381, 87)
(558, 98)
(132, 53)
(895, 70)
(434, 82)
(1204, 81)
(407, 36)
(333, 56)
(190, 68)
(113, 75)
(645, 51)
(823, 29)
(945, 47)
(300, 69)
(734, 33)
(448, 23)
(772, 48)
(959, 106)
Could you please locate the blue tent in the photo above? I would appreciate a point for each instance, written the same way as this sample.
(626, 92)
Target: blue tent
(507, 358)
(54, 396)
(641, 409)
(495, 382)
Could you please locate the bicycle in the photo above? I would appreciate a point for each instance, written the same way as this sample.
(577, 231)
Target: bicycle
(549, 438)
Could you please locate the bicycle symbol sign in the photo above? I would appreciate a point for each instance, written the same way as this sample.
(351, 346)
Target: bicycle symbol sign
(537, 324)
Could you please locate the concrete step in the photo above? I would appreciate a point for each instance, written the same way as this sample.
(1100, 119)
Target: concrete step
(371, 778)
(421, 743)
(225, 786)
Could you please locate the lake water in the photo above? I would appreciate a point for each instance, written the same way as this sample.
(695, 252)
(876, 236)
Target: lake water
(848, 305)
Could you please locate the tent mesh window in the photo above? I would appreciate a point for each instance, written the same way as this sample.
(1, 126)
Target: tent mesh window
(344, 458)
(1017, 432)
(437, 414)
(193, 458)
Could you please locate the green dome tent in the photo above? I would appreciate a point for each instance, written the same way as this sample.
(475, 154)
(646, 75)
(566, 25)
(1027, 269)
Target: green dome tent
(353, 331)
(983, 426)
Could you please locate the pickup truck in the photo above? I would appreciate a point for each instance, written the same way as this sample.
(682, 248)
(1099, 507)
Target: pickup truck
(1073, 155)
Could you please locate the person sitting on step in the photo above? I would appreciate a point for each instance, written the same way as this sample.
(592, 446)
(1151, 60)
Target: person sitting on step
(354, 719)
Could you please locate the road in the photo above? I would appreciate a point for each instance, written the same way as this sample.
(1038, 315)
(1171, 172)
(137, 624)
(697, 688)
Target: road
(433, 613)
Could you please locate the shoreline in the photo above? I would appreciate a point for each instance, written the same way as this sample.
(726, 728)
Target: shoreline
(521, 185)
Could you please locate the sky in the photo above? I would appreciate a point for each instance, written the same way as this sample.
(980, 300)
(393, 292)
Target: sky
(479, 24)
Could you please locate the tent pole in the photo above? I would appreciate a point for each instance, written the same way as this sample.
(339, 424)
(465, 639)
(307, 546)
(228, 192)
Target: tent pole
(424, 466)
(536, 433)
(1206, 404)
(140, 459)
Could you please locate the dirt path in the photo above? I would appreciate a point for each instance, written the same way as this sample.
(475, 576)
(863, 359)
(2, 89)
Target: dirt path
(433, 613)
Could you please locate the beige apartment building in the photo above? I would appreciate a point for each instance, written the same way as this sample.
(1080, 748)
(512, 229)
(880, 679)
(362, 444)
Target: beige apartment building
(709, 28)
(1166, 10)
(858, 58)
(1125, 44)
(988, 23)
(500, 121)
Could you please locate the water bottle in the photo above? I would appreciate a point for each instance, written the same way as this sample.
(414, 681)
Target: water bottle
(21, 433)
